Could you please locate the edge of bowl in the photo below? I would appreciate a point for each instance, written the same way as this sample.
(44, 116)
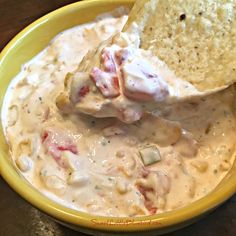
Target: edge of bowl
(81, 219)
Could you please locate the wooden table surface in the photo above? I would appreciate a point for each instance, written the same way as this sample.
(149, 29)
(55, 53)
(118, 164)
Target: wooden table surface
(17, 217)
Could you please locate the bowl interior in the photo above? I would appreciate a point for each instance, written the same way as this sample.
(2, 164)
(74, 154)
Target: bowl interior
(21, 49)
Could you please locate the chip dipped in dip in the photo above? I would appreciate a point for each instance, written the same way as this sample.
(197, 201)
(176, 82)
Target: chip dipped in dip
(104, 166)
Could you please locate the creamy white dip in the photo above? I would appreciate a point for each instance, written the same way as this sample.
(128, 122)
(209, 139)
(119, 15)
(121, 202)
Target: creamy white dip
(99, 165)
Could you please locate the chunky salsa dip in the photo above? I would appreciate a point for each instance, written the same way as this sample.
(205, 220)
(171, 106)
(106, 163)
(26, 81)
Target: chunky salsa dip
(104, 166)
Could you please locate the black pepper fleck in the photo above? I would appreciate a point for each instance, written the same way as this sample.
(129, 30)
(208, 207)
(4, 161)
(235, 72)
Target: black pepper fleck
(208, 128)
(182, 17)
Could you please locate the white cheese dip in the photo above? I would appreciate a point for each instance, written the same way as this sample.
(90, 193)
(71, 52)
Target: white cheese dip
(103, 166)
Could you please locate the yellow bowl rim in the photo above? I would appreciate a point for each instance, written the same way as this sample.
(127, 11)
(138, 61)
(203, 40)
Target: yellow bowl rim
(116, 224)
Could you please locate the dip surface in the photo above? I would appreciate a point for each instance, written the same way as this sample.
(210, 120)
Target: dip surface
(99, 165)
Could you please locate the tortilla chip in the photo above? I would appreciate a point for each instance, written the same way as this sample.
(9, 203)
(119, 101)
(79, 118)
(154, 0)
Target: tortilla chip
(140, 12)
(195, 38)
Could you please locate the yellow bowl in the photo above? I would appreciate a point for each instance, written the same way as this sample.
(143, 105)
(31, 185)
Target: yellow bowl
(21, 49)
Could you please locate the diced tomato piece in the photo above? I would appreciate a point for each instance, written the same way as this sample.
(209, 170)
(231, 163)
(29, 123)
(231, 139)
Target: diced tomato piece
(56, 143)
(44, 136)
(143, 190)
(148, 204)
(108, 61)
(121, 56)
(106, 79)
(83, 91)
(152, 210)
(107, 83)
(141, 84)
(116, 83)
(72, 148)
